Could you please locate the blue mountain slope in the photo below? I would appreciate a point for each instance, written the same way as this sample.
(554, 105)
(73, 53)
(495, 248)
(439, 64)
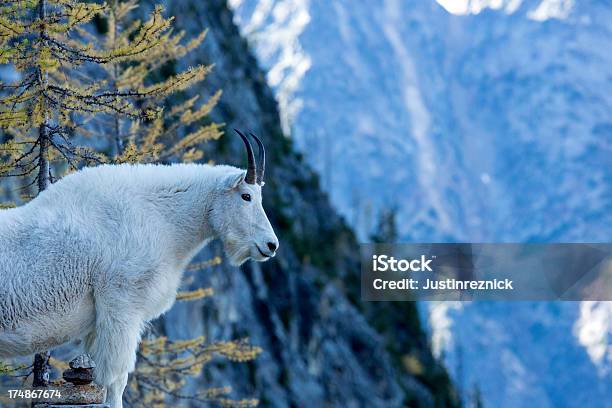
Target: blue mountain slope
(489, 127)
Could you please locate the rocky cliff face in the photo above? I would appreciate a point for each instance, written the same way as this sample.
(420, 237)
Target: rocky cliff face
(322, 346)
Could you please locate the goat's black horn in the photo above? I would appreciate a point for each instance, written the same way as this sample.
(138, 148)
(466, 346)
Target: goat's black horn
(251, 169)
(261, 160)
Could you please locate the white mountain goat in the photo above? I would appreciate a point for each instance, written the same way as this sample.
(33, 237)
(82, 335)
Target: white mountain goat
(103, 250)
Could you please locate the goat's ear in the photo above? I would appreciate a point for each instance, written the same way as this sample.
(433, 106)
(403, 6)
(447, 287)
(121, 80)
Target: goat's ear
(233, 180)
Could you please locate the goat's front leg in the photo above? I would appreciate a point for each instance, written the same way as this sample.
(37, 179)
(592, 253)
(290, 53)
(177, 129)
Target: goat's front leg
(113, 347)
(114, 391)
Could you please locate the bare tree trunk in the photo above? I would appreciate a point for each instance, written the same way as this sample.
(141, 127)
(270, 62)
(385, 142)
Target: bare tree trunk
(43, 160)
(118, 139)
(41, 360)
(119, 143)
(43, 131)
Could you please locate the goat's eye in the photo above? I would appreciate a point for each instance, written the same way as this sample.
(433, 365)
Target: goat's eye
(246, 197)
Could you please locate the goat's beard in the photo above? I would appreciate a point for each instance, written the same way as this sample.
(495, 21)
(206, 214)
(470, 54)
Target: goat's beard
(237, 251)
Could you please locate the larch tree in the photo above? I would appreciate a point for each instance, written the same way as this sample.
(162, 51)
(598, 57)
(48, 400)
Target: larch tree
(176, 133)
(81, 96)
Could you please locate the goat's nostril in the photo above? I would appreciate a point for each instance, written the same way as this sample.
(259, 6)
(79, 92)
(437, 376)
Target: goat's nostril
(272, 246)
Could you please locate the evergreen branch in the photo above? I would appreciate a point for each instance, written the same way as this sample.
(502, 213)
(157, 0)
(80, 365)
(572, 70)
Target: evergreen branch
(147, 383)
(205, 264)
(26, 154)
(195, 294)
(61, 151)
(102, 103)
(27, 82)
(75, 55)
(75, 151)
(104, 95)
(25, 173)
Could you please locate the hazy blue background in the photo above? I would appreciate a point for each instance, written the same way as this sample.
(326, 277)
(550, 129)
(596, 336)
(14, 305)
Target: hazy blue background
(483, 121)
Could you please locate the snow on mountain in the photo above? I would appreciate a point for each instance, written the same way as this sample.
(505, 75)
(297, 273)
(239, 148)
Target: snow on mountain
(277, 28)
(593, 329)
(483, 121)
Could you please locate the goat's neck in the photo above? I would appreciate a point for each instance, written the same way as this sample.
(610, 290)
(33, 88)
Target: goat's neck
(185, 208)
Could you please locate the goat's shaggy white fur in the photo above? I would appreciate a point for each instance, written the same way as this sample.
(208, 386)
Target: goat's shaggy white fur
(102, 251)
